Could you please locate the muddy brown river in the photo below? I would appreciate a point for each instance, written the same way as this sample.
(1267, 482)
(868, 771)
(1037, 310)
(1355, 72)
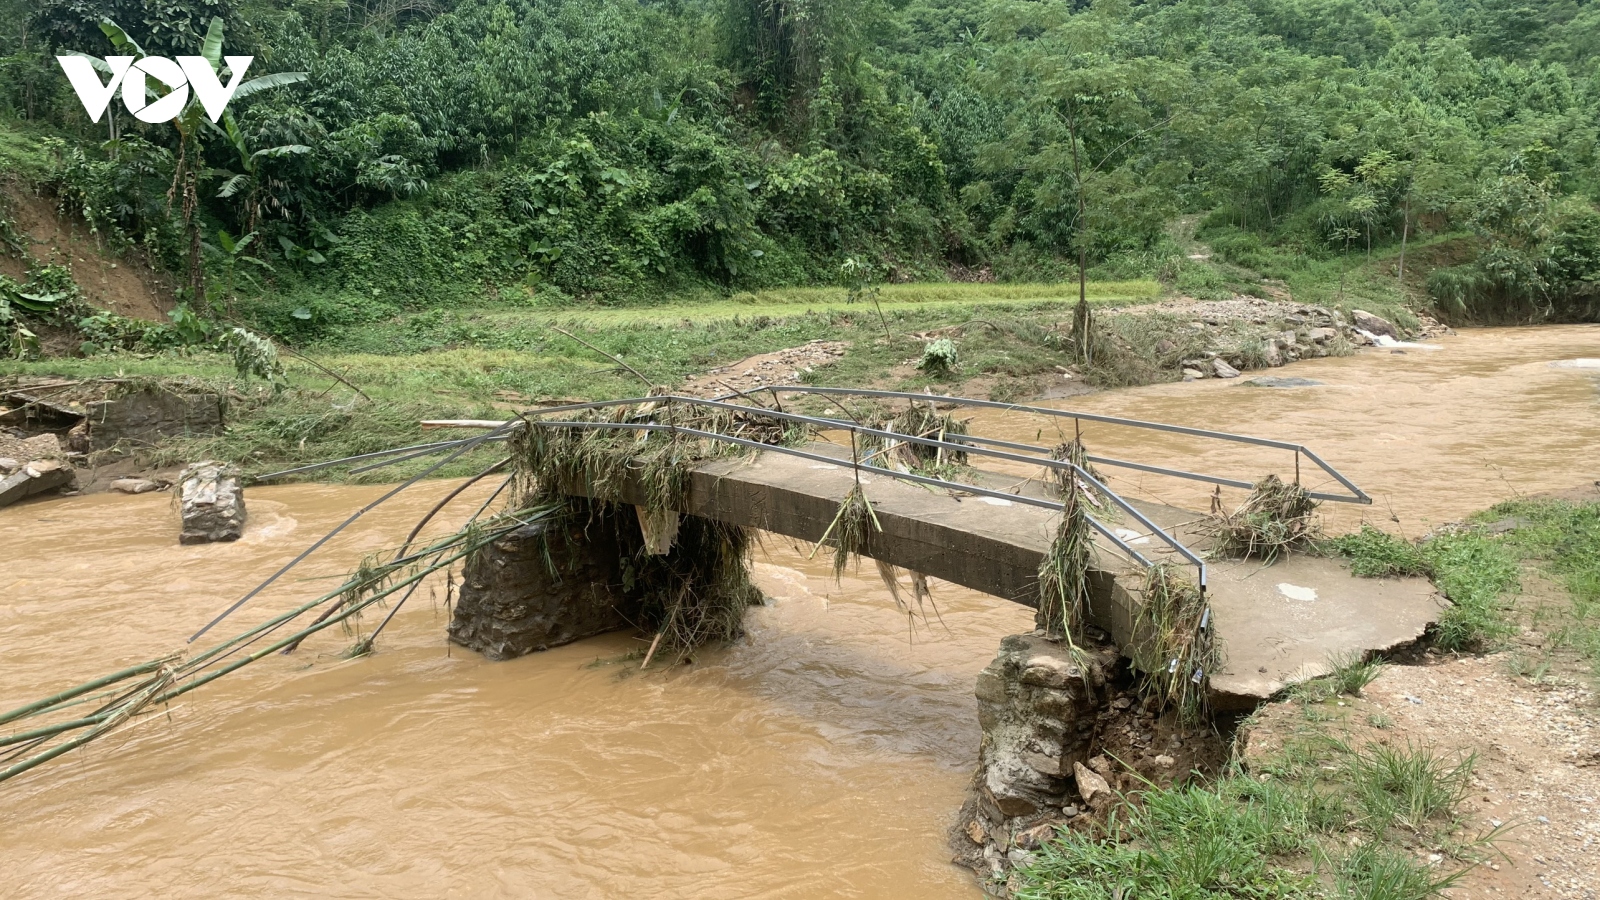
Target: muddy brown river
(825, 755)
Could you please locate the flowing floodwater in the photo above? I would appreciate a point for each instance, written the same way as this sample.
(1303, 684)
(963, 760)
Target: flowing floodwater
(826, 754)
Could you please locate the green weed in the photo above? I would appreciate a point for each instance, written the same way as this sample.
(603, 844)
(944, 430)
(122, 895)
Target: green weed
(1310, 822)
(1374, 553)
(1407, 786)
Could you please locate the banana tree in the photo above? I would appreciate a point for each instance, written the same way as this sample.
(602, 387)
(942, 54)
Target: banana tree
(247, 185)
(192, 122)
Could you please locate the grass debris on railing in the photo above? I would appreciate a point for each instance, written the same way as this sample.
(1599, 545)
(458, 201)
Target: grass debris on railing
(920, 421)
(552, 458)
(1064, 574)
(1174, 641)
(850, 531)
(1276, 518)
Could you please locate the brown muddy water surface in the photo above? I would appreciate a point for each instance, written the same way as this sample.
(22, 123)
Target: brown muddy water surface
(825, 755)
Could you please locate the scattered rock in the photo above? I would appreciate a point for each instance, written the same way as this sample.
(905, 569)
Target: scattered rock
(1031, 838)
(26, 449)
(1094, 790)
(1193, 374)
(976, 832)
(211, 503)
(1223, 370)
(1165, 346)
(1165, 762)
(1376, 325)
(35, 478)
(1321, 335)
(8, 465)
(779, 367)
(135, 485)
(1274, 353)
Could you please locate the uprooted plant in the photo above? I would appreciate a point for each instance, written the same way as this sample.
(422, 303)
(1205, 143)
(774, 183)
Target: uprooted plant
(1064, 574)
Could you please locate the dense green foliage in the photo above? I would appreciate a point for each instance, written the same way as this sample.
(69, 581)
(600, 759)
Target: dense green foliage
(610, 150)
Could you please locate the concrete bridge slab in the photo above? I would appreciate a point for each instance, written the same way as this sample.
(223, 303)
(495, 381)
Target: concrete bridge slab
(1277, 624)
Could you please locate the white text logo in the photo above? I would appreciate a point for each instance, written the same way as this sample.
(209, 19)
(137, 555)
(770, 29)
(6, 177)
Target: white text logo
(129, 75)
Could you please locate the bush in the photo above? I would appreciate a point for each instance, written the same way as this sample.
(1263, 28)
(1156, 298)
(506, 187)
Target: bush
(939, 357)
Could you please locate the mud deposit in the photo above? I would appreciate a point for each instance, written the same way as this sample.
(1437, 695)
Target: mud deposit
(826, 755)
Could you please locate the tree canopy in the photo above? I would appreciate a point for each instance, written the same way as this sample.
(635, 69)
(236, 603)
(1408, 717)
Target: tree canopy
(604, 150)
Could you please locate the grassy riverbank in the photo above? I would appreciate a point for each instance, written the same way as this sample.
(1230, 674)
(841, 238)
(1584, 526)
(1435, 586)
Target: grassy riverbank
(1325, 798)
(1013, 344)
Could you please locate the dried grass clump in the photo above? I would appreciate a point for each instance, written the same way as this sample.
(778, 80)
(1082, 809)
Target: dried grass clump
(1274, 519)
(1064, 574)
(851, 529)
(916, 421)
(1173, 641)
(600, 463)
(1077, 454)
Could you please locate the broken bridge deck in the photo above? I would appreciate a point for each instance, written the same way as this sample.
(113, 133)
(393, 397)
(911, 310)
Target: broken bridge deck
(1277, 624)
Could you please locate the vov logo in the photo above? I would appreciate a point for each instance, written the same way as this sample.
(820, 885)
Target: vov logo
(131, 74)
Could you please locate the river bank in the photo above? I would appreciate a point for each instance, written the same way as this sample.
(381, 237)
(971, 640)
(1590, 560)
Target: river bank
(334, 405)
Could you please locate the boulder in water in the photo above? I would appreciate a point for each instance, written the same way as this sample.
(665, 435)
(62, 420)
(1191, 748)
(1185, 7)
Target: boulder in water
(211, 503)
(1275, 381)
(35, 478)
(135, 485)
(1376, 326)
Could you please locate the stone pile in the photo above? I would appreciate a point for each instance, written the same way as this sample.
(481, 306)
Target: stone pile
(1312, 333)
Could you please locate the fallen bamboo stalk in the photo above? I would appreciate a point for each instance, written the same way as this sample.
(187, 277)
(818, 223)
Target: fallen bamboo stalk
(652, 652)
(329, 536)
(86, 687)
(156, 691)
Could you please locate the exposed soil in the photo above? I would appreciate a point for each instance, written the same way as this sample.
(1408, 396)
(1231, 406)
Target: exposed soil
(123, 286)
(778, 367)
(1537, 773)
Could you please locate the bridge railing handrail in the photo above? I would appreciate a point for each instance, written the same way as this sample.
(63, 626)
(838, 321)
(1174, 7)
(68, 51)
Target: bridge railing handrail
(958, 447)
(1155, 530)
(1356, 494)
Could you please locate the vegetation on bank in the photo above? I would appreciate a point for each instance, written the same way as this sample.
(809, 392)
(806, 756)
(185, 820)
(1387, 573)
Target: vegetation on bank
(599, 152)
(1323, 817)
(484, 364)
(1483, 566)
(1319, 819)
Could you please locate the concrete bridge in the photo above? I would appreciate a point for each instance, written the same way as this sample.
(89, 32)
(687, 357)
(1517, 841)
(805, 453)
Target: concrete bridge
(1277, 623)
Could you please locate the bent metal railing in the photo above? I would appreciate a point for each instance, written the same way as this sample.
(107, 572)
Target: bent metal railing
(993, 448)
(1356, 495)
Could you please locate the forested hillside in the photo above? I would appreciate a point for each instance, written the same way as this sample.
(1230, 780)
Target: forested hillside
(614, 151)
